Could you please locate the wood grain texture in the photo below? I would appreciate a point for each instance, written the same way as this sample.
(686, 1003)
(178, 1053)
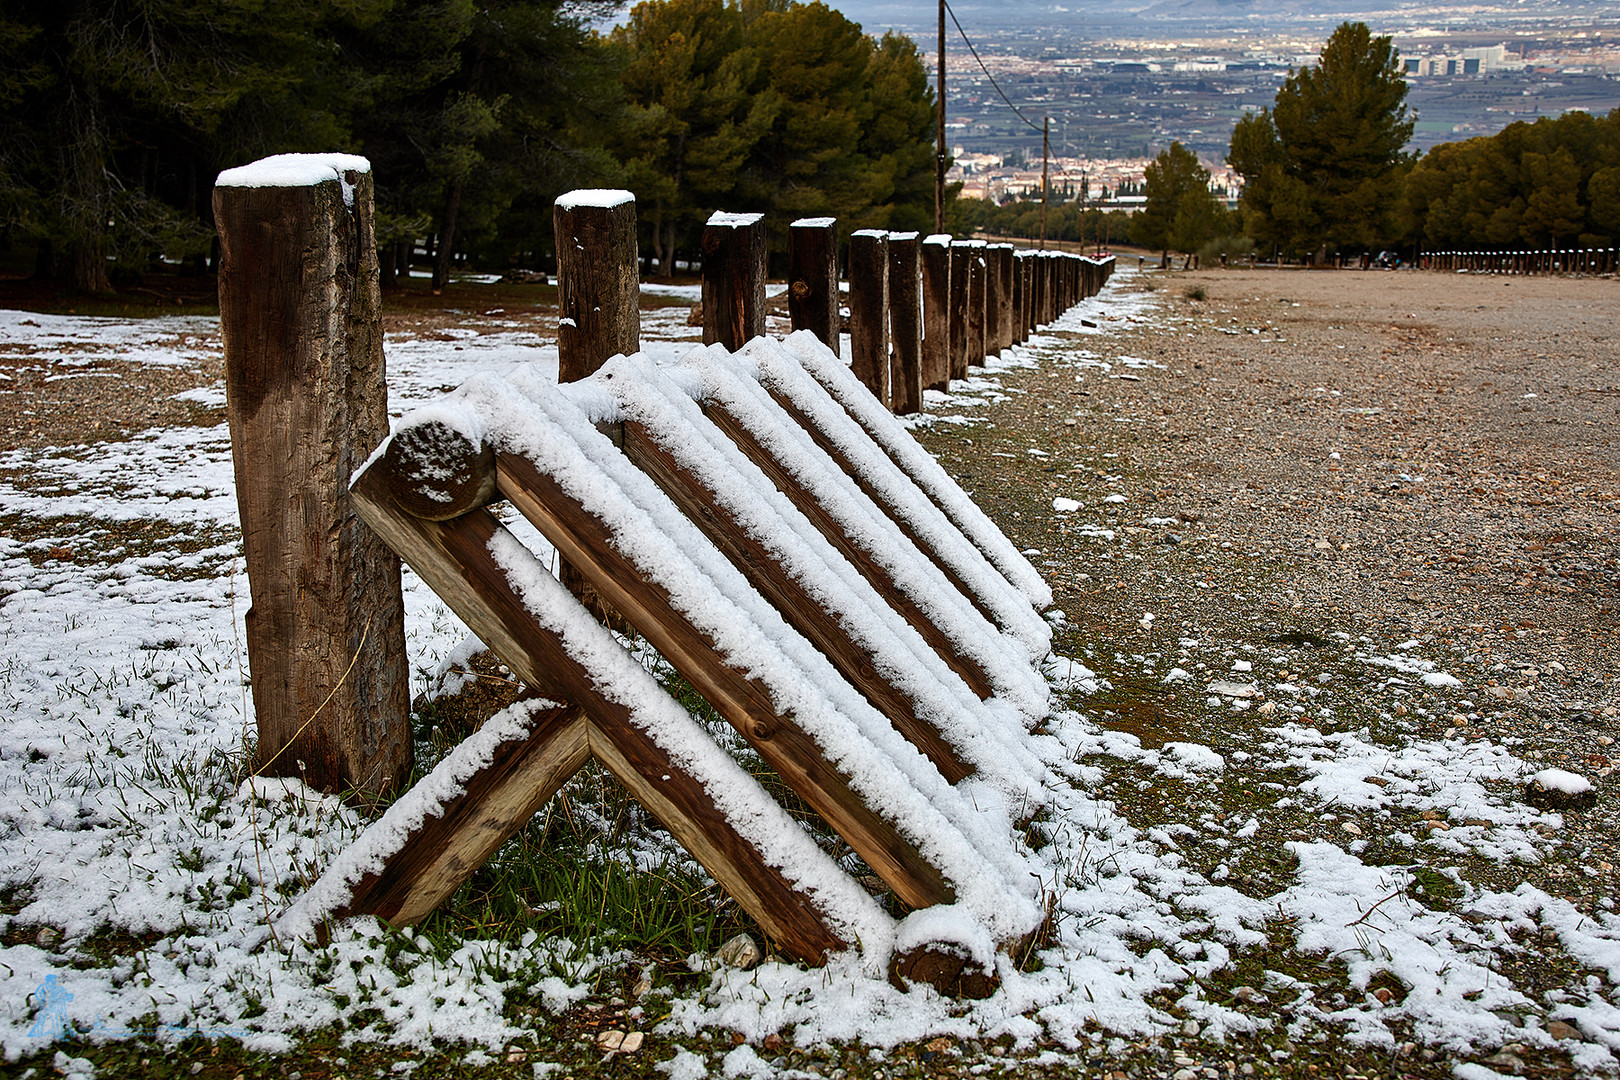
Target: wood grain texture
(839, 534)
(584, 541)
(869, 311)
(307, 402)
(598, 286)
(813, 280)
(734, 280)
(435, 472)
(790, 595)
(454, 559)
(960, 257)
(936, 288)
(905, 324)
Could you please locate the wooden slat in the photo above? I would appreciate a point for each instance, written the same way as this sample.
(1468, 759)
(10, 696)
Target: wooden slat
(831, 449)
(790, 596)
(863, 560)
(454, 559)
(583, 540)
(444, 851)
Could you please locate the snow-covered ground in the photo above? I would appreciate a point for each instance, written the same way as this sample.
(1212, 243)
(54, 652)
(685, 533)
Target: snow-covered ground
(123, 710)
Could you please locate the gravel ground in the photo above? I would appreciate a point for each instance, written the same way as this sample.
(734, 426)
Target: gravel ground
(1311, 457)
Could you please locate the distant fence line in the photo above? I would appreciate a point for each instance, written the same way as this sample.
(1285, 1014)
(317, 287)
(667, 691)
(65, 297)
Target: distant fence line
(1549, 261)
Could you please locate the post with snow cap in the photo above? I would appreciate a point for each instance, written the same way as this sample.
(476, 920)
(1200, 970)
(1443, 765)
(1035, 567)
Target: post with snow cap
(961, 256)
(936, 294)
(978, 279)
(905, 324)
(300, 311)
(598, 284)
(869, 310)
(733, 279)
(813, 279)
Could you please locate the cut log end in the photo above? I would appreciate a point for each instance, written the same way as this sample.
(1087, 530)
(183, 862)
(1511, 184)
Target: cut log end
(437, 472)
(946, 970)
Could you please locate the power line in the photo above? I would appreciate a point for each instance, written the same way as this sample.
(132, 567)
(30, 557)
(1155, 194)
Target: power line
(992, 78)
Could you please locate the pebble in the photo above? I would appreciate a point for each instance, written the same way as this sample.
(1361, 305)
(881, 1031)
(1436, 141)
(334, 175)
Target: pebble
(741, 952)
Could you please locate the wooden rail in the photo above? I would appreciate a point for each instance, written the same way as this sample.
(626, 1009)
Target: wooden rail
(759, 517)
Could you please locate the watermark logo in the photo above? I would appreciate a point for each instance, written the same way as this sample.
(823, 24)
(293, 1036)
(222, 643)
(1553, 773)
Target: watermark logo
(52, 1022)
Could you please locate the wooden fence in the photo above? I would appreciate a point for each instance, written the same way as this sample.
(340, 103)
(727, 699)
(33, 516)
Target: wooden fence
(758, 515)
(1549, 261)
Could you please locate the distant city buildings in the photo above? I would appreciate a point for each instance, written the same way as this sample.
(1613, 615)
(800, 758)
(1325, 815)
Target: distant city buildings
(1105, 183)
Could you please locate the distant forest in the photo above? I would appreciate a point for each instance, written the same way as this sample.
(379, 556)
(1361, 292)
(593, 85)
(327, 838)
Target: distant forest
(116, 115)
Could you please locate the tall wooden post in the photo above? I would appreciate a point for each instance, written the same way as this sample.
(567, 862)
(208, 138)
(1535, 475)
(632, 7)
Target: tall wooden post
(936, 288)
(733, 279)
(961, 256)
(300, 309)
(1020, 297)
(813, 278)
(977, 281)
(598, 280)
(869, 310)
(1005, 334)
(905, 323)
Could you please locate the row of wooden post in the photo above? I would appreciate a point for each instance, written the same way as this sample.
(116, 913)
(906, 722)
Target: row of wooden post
(1551, 261)
(301, 321)
(922, 310)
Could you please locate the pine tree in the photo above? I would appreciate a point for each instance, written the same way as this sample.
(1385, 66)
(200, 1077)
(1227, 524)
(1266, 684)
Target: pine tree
(1181, 212)
(1323, 166)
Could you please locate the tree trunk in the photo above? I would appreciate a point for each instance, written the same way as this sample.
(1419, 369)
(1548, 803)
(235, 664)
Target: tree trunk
(447, 236)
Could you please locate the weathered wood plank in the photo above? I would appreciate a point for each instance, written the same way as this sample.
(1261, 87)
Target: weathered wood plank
(598, 280)
(813, 279)
(869, 310)
(454, 559)
(863, 560)
(936, 286)
(307, 401)
(790, 596)
(446, 850)
(905, 324)
(583, 540)
(733, 279)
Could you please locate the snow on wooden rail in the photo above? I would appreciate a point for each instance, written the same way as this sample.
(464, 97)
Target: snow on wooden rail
(758, 516)
(677, 493)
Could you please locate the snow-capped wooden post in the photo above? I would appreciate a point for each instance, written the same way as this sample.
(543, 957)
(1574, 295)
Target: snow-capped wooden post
(813, 278)
(869, 310)
(936, 291)
(300, 314)
(961, 255)
(598, 280)
(977, 282)
(1003, 255)
(1020, 297)
(905, 323)
(733, 279)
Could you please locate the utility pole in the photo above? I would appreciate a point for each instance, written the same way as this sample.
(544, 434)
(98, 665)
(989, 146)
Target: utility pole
(939, 144)
(1046, 153)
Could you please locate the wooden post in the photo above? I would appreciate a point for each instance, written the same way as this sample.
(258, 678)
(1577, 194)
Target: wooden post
(300, 314)
(977, 280)
(905, 323)
(598, 280)
(813, 278)
(869, 310)
(1020, 297)
(960, 257)
(1001, 256)
(733, 279)
(936, 287)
